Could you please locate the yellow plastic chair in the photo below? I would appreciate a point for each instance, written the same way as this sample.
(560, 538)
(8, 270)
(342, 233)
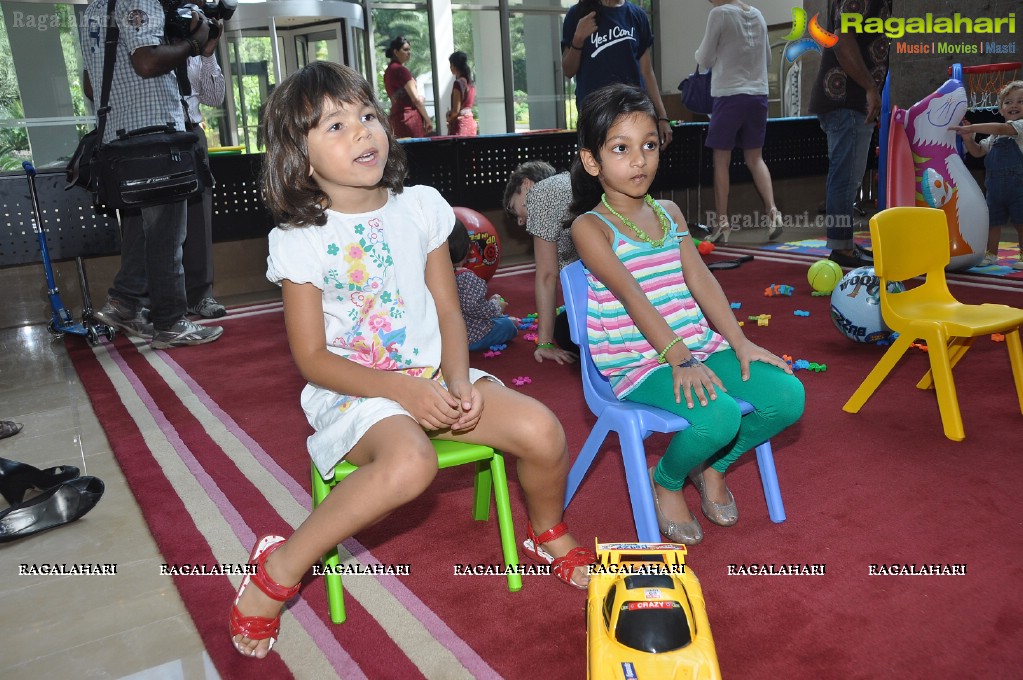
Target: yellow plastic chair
(910, 242)
(490, 473)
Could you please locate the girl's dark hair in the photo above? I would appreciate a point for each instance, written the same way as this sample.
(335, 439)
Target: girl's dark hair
(295, 107)
(601, 110)
(458, 242)
(460, 60)
(394, 46)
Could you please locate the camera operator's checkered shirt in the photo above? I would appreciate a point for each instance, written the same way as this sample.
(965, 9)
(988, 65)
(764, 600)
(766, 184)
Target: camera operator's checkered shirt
(135, 102)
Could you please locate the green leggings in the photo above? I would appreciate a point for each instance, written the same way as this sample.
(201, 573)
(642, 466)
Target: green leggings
(718, 432)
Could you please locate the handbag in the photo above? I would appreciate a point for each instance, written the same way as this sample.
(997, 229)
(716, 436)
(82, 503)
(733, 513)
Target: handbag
(79, 168)
(141, 168)
(146, 167)
(696, 92)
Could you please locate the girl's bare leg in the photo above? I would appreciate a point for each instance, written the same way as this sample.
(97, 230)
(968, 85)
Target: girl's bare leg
(994, 237)
(396, 463)
(523, 427)
(722, 185)
(761, 177)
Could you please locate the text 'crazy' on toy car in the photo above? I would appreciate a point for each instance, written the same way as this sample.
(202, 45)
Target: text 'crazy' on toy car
(645, 616)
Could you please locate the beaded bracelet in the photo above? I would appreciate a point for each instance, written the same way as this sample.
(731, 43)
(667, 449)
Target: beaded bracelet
(661, 357)
(545, 345)
(666, 120)
(572, 46)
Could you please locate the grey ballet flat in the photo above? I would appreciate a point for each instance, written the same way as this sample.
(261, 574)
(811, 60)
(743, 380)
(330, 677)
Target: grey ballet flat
(689, 533)
(724, 515)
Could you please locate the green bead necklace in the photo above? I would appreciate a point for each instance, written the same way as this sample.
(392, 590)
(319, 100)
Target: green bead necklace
(662, 216)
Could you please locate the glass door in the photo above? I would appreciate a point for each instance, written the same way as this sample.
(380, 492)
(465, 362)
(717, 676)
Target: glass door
(251, 82)
(322, 42)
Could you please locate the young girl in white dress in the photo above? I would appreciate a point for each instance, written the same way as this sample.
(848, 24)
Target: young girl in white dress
(374, 325)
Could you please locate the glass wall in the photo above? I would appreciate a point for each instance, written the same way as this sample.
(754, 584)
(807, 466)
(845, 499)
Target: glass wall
(411, 21)
(513, 48)
(477, 32)
(252, 79)
(537, 84)
(43, 111)
(543, 97)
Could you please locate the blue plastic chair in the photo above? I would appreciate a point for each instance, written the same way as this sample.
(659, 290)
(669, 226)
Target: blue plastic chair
(634, 423)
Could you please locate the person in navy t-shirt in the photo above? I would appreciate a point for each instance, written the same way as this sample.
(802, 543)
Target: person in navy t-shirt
(609, 41)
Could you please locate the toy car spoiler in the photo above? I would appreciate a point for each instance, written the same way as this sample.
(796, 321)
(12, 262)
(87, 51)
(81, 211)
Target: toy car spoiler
(669, 553)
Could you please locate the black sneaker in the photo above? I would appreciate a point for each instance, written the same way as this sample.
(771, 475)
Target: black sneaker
(185, 333)
(849, 261)
(208, 308)
(864, 253)
(117, 315)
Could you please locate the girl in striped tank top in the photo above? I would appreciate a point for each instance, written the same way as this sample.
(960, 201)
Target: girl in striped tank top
(659, 326)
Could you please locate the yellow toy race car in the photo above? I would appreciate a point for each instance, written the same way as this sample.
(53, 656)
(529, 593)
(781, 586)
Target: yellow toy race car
(645, 616)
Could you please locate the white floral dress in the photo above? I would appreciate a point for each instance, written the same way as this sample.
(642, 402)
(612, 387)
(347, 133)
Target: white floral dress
(377, 310)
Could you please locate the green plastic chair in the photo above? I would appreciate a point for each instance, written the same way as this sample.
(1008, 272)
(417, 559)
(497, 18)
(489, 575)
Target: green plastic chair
(490, 473)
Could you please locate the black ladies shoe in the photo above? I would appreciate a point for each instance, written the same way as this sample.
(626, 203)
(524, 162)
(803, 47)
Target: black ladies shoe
(54, 507)
(17, 478)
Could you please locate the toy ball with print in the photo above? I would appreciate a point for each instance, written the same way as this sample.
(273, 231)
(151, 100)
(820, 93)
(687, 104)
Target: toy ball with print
(856, 307)
(824, 275)
(485, 244)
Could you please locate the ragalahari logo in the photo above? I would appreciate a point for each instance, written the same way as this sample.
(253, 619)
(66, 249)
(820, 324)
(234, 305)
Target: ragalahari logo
(798, 45)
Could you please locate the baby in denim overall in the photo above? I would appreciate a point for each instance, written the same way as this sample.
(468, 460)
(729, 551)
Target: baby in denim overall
(1003, 160)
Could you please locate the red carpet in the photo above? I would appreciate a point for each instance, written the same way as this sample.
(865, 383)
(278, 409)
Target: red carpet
(212, 442)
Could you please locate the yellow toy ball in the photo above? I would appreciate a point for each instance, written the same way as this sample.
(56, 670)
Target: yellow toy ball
(824, 275)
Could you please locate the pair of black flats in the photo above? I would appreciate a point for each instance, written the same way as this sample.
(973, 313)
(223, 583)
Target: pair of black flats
(65, 498)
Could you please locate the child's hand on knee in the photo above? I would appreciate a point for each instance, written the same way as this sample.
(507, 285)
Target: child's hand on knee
(749, 353)
(470, 405)
(696, 380)
(433, 407)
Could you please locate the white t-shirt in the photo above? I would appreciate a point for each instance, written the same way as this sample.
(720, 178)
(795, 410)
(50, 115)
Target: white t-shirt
(377, 310)
(736, 49)
(991, 139)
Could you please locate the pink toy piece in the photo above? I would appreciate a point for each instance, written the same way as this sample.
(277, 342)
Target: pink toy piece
(899, 178)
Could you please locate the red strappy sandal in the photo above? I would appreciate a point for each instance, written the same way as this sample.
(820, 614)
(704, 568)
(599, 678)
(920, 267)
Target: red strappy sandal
(561, 566)
(260, 627)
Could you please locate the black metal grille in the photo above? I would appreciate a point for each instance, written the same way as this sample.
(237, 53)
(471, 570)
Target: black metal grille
(468, 171)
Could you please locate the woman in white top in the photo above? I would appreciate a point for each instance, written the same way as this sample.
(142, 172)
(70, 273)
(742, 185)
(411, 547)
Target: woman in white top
(735, 46)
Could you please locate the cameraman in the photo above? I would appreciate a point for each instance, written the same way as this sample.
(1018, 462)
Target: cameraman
(144, 92)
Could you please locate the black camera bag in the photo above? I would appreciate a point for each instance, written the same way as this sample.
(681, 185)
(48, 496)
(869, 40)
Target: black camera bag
(150, 166)
(144, 167)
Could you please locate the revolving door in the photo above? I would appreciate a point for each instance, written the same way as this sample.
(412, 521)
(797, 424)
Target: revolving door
(265, 42)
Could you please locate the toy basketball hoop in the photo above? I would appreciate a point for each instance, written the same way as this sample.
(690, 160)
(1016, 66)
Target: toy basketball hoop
(983, 82)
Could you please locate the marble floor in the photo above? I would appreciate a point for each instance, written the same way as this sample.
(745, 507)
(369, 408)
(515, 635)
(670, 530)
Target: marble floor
(131, 624)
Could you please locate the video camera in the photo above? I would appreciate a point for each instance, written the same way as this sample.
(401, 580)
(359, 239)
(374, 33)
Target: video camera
(178, 16)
